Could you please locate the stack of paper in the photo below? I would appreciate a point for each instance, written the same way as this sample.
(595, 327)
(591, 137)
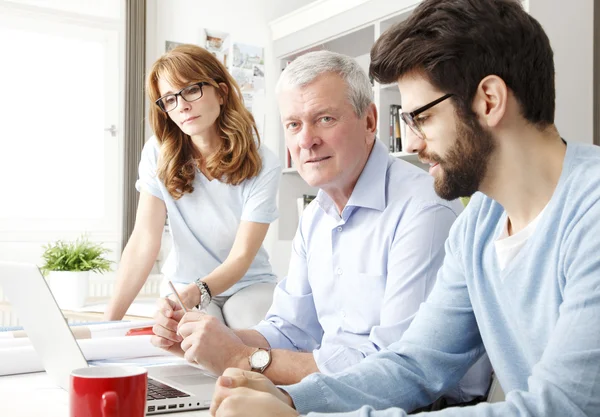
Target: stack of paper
(139, 308)
(98, 342)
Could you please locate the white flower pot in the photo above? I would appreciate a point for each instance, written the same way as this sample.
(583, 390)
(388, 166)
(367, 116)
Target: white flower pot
(70, 288)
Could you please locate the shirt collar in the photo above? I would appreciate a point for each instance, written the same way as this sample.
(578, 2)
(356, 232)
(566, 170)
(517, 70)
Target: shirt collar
(369, 191)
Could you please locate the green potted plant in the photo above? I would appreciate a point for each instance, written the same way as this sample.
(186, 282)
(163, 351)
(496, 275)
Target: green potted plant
(67, 266)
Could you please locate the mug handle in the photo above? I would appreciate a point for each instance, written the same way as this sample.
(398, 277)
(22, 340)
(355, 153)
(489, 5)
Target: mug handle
(110, 404)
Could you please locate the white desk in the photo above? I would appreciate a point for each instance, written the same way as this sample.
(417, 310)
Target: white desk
(31, 395)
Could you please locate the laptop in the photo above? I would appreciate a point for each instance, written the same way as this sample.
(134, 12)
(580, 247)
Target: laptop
(171, 388)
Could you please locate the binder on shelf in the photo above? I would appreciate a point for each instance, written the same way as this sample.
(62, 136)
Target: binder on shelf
(402, 133)
(308, 198)
(395, 128)
(302, 202)
(391, 137)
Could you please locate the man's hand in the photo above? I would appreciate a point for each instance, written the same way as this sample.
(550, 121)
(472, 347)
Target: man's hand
(235, 381)
(211, 344)
(241, 400)
(167, 317)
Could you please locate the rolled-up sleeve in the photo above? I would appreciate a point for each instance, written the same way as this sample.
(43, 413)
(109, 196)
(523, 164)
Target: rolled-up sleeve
(292, 322)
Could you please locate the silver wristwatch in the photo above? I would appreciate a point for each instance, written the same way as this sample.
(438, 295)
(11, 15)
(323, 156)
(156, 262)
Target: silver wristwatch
(205, 295)
(260, 359)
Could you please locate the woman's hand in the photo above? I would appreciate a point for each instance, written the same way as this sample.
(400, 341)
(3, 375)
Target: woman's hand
(190, 296)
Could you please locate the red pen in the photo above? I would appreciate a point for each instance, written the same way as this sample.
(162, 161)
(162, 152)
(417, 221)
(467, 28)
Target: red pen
(140, 331)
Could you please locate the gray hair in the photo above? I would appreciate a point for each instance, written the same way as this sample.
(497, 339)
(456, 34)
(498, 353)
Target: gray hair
(304, 69)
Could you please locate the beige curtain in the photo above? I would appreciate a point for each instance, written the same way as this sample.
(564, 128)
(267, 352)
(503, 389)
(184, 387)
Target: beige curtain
(133, 134)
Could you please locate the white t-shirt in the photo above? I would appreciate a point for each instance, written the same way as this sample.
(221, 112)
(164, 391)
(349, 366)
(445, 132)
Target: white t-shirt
(204, 223)
(507, 247)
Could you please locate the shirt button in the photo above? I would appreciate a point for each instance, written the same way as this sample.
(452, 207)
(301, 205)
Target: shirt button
(339, 228)
(343, 314)
(338, 271)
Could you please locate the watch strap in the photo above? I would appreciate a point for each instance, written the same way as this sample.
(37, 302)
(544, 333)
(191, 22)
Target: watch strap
(205, 294)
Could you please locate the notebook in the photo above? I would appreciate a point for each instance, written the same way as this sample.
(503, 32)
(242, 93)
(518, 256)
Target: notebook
(171, 388)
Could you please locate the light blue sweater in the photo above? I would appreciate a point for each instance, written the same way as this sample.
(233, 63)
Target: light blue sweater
(539, 319)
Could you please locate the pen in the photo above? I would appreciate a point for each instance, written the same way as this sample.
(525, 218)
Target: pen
(177, 297)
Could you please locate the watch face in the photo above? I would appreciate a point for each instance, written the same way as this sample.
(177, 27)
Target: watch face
(260, 359)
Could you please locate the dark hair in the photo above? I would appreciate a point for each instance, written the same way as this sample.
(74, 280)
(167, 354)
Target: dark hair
(457, 43)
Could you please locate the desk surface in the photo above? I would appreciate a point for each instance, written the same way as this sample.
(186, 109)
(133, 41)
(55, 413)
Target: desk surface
(35, 394)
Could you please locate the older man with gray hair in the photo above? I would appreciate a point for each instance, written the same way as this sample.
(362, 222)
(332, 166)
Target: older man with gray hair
(366, 252)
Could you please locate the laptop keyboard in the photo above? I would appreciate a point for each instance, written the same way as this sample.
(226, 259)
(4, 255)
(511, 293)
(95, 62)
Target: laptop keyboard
(159, 391)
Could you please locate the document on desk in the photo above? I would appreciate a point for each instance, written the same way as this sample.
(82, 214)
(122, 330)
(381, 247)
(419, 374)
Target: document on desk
(23, 359)
(80, 331)
(140, 308)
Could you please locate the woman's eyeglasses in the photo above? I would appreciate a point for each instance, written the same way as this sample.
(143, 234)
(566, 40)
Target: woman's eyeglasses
(190, 93)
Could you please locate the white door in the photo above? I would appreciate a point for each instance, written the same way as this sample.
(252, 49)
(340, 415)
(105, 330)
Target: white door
(60, 142)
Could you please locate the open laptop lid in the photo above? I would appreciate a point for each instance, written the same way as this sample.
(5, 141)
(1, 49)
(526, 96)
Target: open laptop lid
(30, 297)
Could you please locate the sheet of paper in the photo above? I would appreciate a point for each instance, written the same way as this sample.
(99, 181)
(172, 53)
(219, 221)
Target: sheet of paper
(24, 359)
(145, 362)
(14, 342)
(114, 329)
(117, 329)
(140, 308)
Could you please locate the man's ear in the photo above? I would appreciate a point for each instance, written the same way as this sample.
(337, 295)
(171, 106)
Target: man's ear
(490, 101)
(371, 120)
(224, 93)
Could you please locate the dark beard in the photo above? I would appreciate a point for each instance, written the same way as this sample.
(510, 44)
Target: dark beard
(465, 165)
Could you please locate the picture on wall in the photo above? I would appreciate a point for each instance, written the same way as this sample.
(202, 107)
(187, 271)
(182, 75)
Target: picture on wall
(246, 56)
(170, 45)
(248, 69)
(217, 42)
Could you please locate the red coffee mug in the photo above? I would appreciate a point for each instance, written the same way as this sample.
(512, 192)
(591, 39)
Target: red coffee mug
(109, 391)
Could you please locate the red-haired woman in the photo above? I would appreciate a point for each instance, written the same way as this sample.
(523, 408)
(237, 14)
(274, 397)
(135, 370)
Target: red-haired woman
(205, 168)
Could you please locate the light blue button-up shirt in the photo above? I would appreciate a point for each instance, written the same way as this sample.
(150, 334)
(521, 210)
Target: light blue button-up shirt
(357, 279)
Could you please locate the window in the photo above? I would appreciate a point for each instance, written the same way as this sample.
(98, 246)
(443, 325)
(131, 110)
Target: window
(60, 169)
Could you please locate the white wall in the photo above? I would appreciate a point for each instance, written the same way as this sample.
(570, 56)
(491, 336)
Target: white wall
(570, 27)
(245, 20)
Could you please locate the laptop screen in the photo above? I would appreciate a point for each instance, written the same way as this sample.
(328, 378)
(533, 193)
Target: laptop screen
(46, 327)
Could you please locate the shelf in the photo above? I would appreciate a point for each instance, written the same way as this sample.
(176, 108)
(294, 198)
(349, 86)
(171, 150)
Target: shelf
(410, 157)
(393, 86)
(397, 18)
(289, 171)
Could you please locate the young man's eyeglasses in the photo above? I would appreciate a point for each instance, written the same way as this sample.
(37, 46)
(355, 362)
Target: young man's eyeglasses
(190, 93)
(412, 121)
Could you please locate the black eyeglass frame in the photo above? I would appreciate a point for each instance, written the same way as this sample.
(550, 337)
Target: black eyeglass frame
(160, 104)
(409, 118)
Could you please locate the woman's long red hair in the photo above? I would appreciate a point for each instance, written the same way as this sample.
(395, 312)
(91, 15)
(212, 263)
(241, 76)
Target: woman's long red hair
(237, 159)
